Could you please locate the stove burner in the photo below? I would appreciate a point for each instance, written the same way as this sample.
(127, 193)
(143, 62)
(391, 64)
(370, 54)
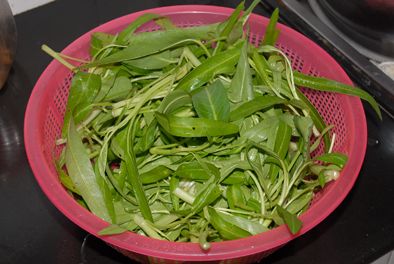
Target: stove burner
(372, 38)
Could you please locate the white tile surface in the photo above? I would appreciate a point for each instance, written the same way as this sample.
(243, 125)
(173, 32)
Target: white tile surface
(391, 260)
(19, 6)
(386, 259)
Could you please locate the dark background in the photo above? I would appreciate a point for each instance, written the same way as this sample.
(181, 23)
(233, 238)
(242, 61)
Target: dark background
(32, 230)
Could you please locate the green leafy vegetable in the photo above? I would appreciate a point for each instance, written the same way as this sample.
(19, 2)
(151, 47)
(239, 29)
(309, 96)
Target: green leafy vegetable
(82, 174)
(226, 229)
(292, 222)
(211, 102)
(272, 33)
(194, 134)
(195, 127)
(223, 62)
(324, 84)
(241, 88)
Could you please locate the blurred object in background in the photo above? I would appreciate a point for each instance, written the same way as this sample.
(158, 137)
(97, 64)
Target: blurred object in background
(7, 40)
(20, 6)
(369, 24)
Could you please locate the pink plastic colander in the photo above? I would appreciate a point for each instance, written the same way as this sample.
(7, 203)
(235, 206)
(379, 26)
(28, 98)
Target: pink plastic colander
(44, 119)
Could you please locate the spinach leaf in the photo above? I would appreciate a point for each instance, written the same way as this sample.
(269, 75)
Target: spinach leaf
(211, 102)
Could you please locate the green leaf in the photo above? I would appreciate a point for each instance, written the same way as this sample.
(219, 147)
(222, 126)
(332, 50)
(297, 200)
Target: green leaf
(228, 27)
(257, 104)
(84, 87)
(118, 143)
(107, 81)
(304, 125)
(281, 147)
(99, 40)
(235, 197)
(174, 182)
(152, 62)
(156, 174)
(322, 179)
(195, 127)
(107, 189)
(261, 131)
(226, 229)
(271, 32)
(293, 223)
(148, 43)
(223, 62)
(208, 194)
(236, 177)
(300, 203)
(174, 100)
(127, 34)
(134, 177)
(82, 174)
(241, 88)
(194, 171)
(148, 138)
(66, 180)
(112, 230)
(120, 89)
(261, 66)
(317, 119)
(211, 102)
(253, 227)
(327, 85)
(229, 169)
(246, 14)
(165, 23)
(254, 205)
(338, 159)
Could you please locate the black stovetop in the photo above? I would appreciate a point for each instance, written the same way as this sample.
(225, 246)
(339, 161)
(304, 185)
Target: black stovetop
(32, 230)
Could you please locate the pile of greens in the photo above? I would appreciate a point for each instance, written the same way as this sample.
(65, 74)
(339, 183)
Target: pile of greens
(194, 134)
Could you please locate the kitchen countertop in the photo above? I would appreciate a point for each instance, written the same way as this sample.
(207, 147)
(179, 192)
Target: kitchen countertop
(32, 230)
